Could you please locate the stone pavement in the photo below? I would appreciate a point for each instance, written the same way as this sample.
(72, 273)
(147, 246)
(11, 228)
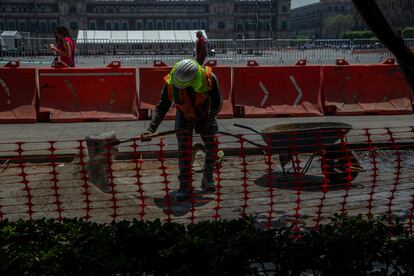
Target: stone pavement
(41, 132)
(37, 137)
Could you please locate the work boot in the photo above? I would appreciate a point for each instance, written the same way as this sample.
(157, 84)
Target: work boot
(182, 195)
(207, 185)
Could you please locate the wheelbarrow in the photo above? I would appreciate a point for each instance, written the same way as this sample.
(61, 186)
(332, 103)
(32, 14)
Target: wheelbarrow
(338, 162)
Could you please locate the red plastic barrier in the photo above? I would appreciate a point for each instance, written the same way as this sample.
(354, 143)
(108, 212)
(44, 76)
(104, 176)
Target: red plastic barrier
(150, 86)
(277, 91)
(223, 75)
(151, 83)
(365, 89)
(88, 94)
(17, 94)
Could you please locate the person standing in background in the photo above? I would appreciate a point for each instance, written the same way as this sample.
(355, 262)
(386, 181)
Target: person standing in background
(65, 46)
(201, 48)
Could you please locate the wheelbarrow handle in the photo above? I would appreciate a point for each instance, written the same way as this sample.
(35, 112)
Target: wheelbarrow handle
(247, 127)
(152, 135)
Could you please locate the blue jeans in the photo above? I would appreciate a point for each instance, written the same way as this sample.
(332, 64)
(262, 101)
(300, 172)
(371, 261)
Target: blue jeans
(185, 144)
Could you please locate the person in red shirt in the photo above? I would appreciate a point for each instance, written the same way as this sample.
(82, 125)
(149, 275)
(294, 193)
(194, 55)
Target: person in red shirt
(65, 46)
(201, 48)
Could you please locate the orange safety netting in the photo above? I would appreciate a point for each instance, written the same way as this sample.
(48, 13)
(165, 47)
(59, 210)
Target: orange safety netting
(298, 177)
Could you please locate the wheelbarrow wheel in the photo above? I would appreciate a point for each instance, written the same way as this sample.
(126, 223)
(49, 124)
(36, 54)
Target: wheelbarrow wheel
(335, 166)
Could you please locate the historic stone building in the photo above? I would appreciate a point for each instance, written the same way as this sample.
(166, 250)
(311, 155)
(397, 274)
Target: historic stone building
(308, 21)
(399, 13)
(220, 18)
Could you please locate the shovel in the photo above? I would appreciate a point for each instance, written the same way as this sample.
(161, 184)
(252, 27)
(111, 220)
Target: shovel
(102, 148)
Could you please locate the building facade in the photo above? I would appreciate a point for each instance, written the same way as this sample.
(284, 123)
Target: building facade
(399, 13)
(220, 18)
(309, 21)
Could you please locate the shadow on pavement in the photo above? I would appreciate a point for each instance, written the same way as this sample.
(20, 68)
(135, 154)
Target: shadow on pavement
(307, 183)
(180, 208)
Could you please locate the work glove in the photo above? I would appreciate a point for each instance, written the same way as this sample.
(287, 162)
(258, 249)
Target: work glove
(145, 136)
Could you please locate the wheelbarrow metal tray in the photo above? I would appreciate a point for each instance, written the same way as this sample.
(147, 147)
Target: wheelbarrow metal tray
(304, 137)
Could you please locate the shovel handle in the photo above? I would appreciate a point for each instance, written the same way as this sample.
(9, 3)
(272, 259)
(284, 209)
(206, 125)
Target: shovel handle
(241, 137)
(247, 127)
(152, 135)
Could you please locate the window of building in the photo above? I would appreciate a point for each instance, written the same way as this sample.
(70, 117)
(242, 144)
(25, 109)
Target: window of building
(92, 25)
(124, 25)
(2, 26)
(116, 26)
(140, 25)
(221, 25)
(73, 25)
(284, 25)
(284, 8)
(239, 27)
(160, 25)
(72, 10)
(203, 25)
(53, 25)
(11, 26)
(108, 26)
(43, 27)
(169, 25)
(265, 25)
(179, 25)
(33, 26)
(195, 26)
(22, 26)
(150, 25)
(187, 25)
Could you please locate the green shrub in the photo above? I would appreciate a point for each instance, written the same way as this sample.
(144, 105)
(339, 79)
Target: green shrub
(358, 35)
(346, 246)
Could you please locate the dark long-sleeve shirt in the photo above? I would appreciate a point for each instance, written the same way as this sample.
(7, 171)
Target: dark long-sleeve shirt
(165, 104)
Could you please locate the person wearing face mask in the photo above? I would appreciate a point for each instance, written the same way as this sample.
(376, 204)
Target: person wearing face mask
(196, 93)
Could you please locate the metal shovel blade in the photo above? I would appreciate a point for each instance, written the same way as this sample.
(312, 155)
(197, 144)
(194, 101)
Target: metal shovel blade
(101, 150)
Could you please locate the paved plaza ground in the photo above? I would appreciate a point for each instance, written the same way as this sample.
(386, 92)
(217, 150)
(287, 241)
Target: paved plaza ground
(254, 185)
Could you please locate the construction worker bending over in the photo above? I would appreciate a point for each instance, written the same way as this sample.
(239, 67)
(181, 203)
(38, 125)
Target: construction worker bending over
(196, 93)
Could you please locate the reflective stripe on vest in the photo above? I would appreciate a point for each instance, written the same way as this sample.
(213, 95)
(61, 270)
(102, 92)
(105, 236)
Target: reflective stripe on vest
(183, 102)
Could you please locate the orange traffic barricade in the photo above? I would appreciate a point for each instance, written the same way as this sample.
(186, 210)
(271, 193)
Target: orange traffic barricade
(88, 94)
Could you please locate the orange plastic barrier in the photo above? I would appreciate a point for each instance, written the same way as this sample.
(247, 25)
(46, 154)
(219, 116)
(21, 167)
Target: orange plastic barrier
(277, 91)
(151, 83)
(223, 75)
(17, 94)
(88, 94)
(150, 86)
(365, 89)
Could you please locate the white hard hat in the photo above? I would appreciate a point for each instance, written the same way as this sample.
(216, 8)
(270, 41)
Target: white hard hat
(184, 72)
